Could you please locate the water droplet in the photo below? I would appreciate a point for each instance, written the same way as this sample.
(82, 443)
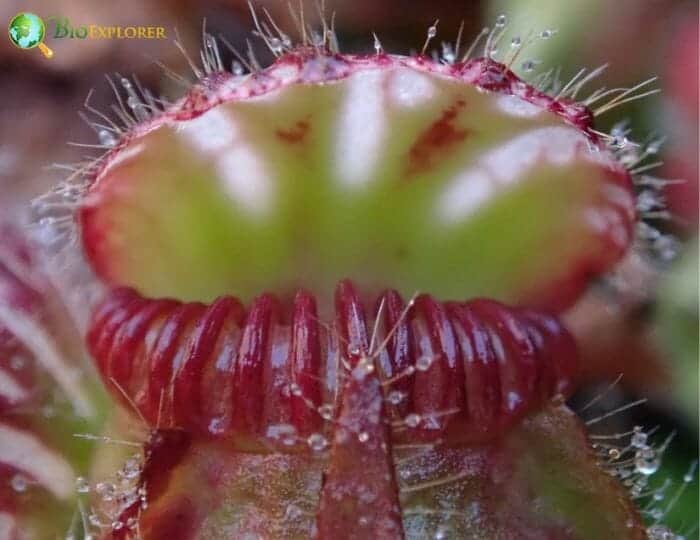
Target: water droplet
(295, 389)
(105, 490)
(19, 483)
(613, 453)
(363, 436)
(82, 485)
(126, 83)
(70, 191)
(276, 45)
(666, 247)
(395, 397)
(107, 138)
(285, 433)
(688, 478)
(448, 53)
(293, 512)
(618, 129)
(326, 411)
(528, 66)
(546, 33)
(516, 42)
(317, 442)
(47, 221)
(647, 200)
(94, 520)
(141, 112)
(412, 420)
(316, 38)
(659, 496)
(629, 157)
(217, 426)
(653, 147)
(237, 68)
(646, 462)
(646, 231)
(131, 468)
(424, 362)
(432, 32)
(501, 21)
(618, 141)
(363, 368)
(641, 481)
(639, 438)
(441, 533)
(117, 525)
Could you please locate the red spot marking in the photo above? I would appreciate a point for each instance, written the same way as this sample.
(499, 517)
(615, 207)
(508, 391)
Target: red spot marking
(295, 134)
(439, 137)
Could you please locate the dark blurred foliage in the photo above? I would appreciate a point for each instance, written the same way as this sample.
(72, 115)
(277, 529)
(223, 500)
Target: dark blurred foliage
(647, 332)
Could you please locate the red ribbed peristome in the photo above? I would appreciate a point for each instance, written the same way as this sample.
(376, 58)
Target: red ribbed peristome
(459, 371)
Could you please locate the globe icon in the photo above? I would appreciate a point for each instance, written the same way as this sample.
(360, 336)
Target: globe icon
(27, 31)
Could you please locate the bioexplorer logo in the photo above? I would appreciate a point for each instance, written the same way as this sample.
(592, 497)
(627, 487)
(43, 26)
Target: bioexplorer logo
(28, 30)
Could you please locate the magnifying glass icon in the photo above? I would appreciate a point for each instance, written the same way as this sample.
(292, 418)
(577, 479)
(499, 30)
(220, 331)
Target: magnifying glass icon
(27, 31)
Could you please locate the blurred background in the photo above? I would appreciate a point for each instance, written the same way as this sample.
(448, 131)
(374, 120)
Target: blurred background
(643, 326)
